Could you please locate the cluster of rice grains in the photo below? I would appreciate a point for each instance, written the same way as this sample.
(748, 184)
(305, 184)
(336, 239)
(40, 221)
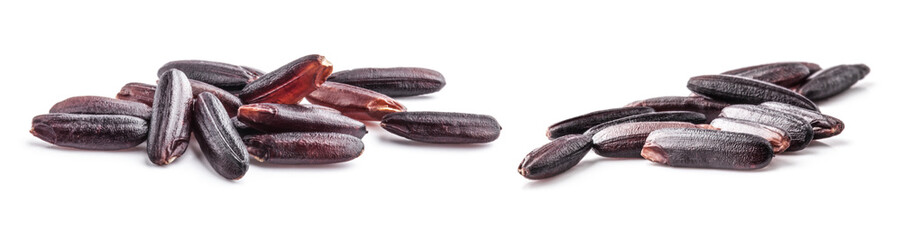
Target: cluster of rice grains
(237, 113)
(738, 119)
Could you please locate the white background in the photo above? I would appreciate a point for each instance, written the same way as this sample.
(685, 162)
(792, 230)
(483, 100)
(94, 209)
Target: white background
(528, 64)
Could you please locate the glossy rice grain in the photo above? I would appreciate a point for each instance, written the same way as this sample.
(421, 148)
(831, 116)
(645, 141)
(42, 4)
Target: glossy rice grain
(812, 67)
(778, 138)
(303, 148)
(228, 100)
(581, 123)
(170, 122)
(254, 72)
(144, 93)
(322, 109)
(290, 83)
(837, 127)
(785, 74)
(222, 75)
(823, 125)
(625, 140)
(393, 82)
(91, 132)
(742, 90)
(699, 104)
(357, 103)
(274, 118)
(800, 131)
(703, 148)
(556, 157)
(137, 92)
(669, 116)
(101, 105)
(442, 127)
(832, 81)
(243, 129)
(220, 142)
